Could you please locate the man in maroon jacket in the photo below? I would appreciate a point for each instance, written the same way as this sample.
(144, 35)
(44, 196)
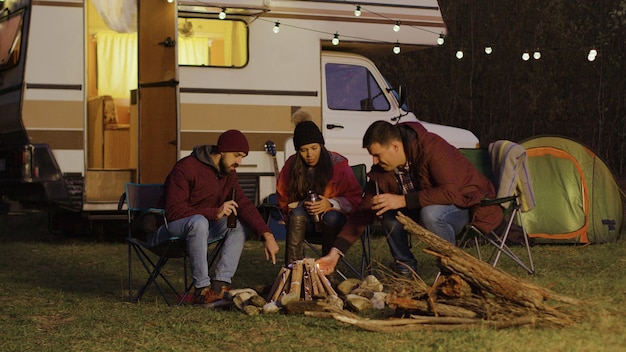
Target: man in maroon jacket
(425, 177)
(198, 200)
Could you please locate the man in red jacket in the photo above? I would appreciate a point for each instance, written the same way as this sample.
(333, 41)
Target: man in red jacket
(198, 199)
(425, 177)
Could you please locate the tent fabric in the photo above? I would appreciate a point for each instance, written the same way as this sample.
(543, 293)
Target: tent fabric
(578, 200)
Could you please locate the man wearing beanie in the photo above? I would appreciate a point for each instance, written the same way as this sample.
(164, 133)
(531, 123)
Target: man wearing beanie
(328, 174)
(198, 199)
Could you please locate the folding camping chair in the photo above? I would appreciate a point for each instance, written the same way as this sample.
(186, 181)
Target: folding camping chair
(276, 218)
(145, 213)
(504, 164)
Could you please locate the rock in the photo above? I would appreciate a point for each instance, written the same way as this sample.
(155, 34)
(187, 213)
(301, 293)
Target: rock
(335, 301)
(371, 283)
(251, 310)
(346, 286)
(257, 301)
(288, 298)
(271, 308)
(358, 303)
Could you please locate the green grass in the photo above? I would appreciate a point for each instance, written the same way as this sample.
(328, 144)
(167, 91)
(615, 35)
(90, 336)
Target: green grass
(71, 295)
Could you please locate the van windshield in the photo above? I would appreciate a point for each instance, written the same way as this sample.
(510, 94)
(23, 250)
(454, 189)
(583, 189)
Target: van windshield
(352, 87)
(10, 35)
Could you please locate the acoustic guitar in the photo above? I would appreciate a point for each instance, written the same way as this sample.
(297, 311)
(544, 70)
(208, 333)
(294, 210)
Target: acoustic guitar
(275, 219)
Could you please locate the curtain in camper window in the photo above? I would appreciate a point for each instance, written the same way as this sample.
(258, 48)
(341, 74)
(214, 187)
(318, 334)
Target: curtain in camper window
(117, 63)
(193, 51)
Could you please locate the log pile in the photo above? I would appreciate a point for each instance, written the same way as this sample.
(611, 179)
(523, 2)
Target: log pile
(468, 293)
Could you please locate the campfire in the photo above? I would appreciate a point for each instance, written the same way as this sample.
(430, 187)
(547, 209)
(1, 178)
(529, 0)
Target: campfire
(469, 293)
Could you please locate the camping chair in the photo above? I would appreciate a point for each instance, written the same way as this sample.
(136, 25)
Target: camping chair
(145, 214)
(503, 162)
(276, 219)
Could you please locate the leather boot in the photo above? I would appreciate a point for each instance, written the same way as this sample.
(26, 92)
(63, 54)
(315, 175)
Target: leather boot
(329, 235)
(294, 243)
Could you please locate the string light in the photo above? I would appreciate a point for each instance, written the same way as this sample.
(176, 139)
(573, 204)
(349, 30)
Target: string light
(396, 48)
(537, 55)
(396, 27)
(276, 28)
(170, 1)
(222, 14)
(441, 40)
(488, 50)
(335, 40)
(459, 54)
(592, 54)
(357, 12)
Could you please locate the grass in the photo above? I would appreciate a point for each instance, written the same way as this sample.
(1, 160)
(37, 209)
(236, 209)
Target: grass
(60, 294)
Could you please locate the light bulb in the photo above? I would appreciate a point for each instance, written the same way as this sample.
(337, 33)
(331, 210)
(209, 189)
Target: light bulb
(222, 14)
(276, 28)
(357, 12)
(396, 27)
(170, 1)
(525, 56)
(537, 55)
(593, 52)
(592, 55)
(441, 39)
(459, 54)
(488, 50)
(396, 48)
(336, 39)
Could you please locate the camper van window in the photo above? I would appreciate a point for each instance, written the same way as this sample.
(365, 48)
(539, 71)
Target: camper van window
(211, 42)
(10, 35)
(352, 87)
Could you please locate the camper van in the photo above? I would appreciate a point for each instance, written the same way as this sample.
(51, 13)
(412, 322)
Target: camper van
(97, 93)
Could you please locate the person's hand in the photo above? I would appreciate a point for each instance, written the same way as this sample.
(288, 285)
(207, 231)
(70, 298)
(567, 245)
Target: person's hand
(384, 202)
(317, 207)
(326, 265)
(271, 247)
(227, 208)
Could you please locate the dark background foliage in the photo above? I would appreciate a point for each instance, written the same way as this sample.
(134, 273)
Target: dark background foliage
(500, 96)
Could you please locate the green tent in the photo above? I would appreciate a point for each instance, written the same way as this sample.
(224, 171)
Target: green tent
(578, 200)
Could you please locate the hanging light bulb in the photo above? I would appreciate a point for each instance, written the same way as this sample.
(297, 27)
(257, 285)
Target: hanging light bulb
(592, 54)
(396, 48)
(336, 39)
(537, 55)
(222, 14)
(276, 28)
(396, 27)
(525, 56)
(459, 54)
(488, 50)
(357, 12)
(441, 39)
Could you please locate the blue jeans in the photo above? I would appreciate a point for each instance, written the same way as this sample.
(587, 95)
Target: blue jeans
(445, 221)
(199, 232)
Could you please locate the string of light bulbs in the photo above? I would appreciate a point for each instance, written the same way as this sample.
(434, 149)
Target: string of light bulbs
(358, 11)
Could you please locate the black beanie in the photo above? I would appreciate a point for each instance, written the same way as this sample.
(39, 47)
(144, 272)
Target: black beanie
(307, 132)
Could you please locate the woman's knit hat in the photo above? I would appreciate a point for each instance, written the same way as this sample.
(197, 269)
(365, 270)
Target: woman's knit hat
(233, 141)
(307, 132)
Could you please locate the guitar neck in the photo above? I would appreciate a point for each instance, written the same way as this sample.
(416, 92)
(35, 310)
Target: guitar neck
(275, 166)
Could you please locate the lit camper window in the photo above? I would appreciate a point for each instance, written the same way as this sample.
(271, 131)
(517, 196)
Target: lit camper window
(210, 42)
(10, 40)
(352, 87)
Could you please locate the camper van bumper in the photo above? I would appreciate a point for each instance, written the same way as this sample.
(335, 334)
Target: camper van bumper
(29, 174)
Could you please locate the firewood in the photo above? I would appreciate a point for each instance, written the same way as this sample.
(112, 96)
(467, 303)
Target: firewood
(482, 274)
(442, 309)
(282, 281)
(295, 285)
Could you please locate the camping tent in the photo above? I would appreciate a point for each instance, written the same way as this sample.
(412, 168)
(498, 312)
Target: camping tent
(578, 200)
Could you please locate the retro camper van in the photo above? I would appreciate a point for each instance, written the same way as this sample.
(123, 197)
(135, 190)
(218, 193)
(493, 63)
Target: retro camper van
(97, 93)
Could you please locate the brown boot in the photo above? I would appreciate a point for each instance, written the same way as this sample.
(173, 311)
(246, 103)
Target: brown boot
(294, 243)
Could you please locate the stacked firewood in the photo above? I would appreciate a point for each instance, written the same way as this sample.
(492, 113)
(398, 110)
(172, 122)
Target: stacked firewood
(469, 293)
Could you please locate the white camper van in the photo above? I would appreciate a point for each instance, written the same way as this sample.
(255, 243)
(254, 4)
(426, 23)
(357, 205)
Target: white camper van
(97, 93)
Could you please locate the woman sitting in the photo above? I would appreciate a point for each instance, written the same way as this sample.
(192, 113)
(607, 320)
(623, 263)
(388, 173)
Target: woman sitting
(317, 189)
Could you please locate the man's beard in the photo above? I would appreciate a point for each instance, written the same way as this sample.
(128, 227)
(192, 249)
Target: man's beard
(226, 168)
